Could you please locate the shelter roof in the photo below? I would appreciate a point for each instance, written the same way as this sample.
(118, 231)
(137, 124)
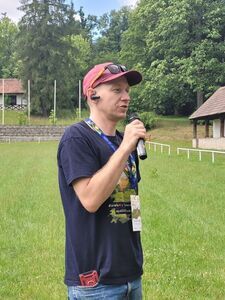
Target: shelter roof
(214, 105)
(11, 86)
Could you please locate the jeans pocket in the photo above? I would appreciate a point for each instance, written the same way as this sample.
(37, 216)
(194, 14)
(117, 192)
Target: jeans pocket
(82, 292)
(82, 287)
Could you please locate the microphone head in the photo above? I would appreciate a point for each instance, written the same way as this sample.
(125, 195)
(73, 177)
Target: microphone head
(132, 117)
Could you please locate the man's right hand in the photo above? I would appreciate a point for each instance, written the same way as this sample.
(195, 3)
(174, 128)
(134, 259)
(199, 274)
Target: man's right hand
(133, 132)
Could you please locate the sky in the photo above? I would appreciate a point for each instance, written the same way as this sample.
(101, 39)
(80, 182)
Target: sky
(94, 7)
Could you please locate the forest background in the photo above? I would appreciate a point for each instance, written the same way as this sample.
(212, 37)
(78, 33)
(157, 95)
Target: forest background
(178, 46)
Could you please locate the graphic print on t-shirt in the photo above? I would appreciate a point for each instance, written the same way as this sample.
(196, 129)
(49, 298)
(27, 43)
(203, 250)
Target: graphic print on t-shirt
(120, 207)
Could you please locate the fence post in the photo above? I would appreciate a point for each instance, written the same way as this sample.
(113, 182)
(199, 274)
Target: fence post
(54, 104)
(3, 102)
(188, 153)
(28, 101)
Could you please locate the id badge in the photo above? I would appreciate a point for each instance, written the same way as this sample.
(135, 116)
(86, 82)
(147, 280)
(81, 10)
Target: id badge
(136, 212)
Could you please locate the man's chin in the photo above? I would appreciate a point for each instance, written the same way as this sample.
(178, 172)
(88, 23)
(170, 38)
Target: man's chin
(123, 113)
(122, 116)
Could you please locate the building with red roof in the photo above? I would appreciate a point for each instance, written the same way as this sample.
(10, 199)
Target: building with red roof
(13, 92)
(213, 110)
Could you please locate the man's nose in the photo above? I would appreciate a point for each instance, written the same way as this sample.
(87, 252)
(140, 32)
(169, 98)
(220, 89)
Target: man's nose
(126, 96)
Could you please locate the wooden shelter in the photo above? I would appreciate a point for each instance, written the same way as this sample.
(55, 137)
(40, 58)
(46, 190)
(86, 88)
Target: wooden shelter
(13, 89)
(212, 109)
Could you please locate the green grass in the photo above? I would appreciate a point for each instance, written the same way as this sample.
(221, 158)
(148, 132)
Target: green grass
(31, 223)
(178, 119)
(183, 225)
(64, 118)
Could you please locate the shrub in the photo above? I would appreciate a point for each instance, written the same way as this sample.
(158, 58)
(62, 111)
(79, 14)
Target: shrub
(52, 118)
(22, 118)
(149, 119)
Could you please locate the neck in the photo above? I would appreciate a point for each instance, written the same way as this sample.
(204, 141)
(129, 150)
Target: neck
(107, 126)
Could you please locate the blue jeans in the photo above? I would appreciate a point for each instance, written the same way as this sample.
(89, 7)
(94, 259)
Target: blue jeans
(129, 291)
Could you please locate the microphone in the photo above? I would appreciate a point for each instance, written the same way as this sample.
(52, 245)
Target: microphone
(141, 150)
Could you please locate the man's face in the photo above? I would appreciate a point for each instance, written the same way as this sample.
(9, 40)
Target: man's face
(114, 99)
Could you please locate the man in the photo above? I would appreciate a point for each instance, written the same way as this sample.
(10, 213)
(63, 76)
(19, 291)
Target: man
(98, 175)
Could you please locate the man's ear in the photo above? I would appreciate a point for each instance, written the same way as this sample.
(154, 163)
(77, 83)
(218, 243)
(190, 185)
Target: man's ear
(92, 94)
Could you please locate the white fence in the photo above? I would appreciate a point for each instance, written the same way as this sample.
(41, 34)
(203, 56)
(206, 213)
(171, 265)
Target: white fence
(16, 107)
(158, 145)
(200, 152)
(155, 146)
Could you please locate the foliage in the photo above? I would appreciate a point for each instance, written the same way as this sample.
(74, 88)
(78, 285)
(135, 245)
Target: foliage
(22, 118)
(49, 49)
(110, 26)
(177, 45)
(149, 119)
(180, 50)
(52, 118)
(8, 60)
(88, 24)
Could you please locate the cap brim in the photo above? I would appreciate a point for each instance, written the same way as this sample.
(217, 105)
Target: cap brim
(133, 77)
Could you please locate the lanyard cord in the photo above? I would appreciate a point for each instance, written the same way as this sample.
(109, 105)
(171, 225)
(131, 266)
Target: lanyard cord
(130, 168)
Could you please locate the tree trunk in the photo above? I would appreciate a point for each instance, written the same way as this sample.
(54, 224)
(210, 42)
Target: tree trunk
(176, 111)
(43, 108)
(199, 98)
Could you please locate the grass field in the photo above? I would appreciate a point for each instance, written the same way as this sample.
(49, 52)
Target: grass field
(16, 117)
(183, 224)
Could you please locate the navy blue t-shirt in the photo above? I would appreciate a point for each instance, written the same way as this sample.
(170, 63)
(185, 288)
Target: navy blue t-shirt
(104, 240)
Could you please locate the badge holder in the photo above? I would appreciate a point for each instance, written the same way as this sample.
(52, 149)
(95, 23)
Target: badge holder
(89, 278)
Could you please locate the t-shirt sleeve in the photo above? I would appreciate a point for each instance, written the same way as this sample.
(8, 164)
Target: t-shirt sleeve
(77, 159)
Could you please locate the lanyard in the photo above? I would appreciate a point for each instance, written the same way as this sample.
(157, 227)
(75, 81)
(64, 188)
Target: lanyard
(130, 168)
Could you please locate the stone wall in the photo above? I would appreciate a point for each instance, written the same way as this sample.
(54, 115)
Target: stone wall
(41, 132)
(209, 143)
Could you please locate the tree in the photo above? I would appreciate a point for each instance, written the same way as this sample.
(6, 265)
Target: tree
(8, 58)
(110, 29)
(180, 51)
(45, 50)
(88, 24)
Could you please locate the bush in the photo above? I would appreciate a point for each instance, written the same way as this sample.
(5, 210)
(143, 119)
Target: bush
(52, 118)
(22, 118)
(149, 119)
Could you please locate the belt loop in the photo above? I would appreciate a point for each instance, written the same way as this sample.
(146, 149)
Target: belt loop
(128, 288)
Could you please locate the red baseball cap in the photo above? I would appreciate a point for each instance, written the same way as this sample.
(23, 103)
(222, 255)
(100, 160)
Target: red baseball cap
(100, 74)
